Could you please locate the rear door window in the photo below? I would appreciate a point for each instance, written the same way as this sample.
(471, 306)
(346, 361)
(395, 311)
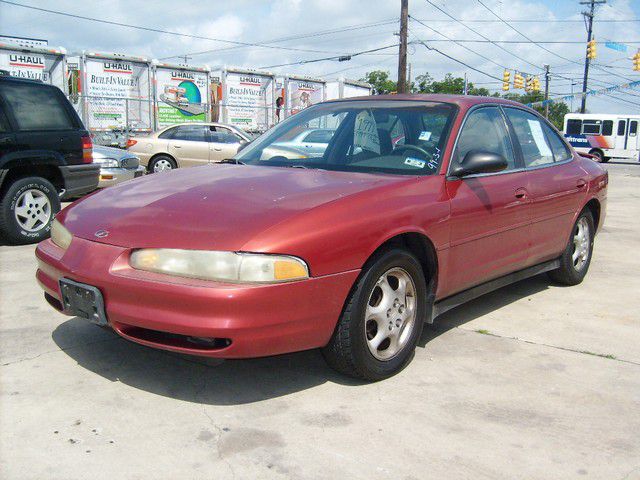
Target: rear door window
(560, 150)
(633, 128)
(533, 143)
(319, 136)
(37, 107)
(191, 133)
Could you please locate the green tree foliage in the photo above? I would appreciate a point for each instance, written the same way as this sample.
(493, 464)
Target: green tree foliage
(425, 83)
(380, 82)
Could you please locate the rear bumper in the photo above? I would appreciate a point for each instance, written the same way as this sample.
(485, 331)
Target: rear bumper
(79, 179)
(164, 312)
(113, 176)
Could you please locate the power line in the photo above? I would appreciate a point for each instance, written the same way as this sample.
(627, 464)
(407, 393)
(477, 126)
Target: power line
(534, 21)
(340, 58)
(519, 32)
(295, 37)
(456, 42)
(458, 61)
(520, 42)
(483, 36)
(166, 32)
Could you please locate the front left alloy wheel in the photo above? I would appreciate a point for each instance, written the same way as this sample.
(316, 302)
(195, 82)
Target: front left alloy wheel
(382, 320)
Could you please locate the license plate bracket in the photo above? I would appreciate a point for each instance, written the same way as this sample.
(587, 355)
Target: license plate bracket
(84, 301)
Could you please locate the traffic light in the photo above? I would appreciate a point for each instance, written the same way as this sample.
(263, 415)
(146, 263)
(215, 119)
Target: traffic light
(518, 81)
(591, 49)
(636, 61)
(528, 84)
(535, 84)
(506, 79)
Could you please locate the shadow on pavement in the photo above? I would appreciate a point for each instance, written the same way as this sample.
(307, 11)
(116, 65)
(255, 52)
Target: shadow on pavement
(484, 305)
(234, 382)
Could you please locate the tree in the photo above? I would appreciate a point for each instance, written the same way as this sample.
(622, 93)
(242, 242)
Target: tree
(380, 82)
(449, 84)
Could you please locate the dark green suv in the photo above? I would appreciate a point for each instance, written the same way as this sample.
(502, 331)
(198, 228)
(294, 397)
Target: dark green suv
(45, 156)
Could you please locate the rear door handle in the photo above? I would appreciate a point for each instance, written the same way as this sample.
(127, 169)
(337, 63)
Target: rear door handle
(521, 193)
(581, 183)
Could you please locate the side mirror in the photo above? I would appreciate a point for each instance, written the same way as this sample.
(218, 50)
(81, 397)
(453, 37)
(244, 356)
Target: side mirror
(479, 161)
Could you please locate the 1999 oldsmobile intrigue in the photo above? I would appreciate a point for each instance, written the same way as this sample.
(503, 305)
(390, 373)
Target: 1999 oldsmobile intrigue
(417, 204)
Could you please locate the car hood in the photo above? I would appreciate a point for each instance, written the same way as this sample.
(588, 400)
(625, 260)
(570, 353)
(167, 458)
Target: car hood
(218, 207)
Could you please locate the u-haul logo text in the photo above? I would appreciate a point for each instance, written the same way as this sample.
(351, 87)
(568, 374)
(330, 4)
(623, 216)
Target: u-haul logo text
(118, 67)
(28, 61)
(178, 75)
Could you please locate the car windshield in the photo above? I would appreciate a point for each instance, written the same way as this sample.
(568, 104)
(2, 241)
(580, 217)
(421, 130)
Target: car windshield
(386, 136)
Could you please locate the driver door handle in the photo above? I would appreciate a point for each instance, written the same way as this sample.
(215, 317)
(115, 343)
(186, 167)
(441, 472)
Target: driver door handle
(521, 193)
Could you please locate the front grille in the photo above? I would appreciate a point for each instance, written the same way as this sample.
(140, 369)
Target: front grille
(174, 339)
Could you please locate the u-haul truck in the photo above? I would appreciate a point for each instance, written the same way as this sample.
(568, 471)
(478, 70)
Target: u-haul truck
(36, 63)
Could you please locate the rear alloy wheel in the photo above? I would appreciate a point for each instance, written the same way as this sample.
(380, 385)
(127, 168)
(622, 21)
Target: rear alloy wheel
(576, 258)
(27, 210)
(382, 321)
(162, 163)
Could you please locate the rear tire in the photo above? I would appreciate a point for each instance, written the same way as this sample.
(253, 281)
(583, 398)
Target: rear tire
(599, 156)
(162, 163)
(381, 323)
(576, 258)
(27, 209)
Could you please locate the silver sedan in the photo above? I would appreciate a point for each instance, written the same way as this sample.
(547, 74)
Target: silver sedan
(116, 165)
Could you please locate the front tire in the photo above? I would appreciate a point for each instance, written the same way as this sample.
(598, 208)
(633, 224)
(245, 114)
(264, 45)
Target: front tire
(576, 258)
(381, 323)
(27, 209)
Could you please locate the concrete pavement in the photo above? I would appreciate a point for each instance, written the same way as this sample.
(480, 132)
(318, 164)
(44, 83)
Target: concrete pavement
(531, 381)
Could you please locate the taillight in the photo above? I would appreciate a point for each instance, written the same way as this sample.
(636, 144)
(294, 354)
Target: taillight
(87, 149)
(131, 142)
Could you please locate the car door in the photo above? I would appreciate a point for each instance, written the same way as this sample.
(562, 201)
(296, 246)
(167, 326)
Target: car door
(489, 222)
(223, 143)
(555, 182)
(189, 145)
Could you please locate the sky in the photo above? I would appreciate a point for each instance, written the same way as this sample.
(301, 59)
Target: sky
(371, 24)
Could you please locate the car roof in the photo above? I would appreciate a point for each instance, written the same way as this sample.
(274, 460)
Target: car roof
(465, 101)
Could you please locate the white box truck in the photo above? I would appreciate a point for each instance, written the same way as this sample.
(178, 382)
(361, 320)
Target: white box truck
(35, 63)
(344, 88)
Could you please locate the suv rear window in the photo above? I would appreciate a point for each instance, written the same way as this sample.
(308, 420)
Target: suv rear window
(37, 107)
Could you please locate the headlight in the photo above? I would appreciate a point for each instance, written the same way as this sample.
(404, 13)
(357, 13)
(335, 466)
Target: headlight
(60, 235)
(222, 266)
(109, 163)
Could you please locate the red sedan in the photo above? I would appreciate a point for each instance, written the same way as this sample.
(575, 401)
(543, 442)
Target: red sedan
(351, 249)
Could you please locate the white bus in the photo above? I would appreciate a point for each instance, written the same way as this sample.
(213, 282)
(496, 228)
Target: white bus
(605, 136)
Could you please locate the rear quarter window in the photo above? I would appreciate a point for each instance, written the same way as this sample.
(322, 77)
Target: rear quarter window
(37, 107)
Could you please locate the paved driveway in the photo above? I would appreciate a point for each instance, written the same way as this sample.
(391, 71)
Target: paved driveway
(531, 381)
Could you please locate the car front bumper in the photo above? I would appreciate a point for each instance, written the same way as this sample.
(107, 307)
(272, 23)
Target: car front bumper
(113, 176)
(174, 313)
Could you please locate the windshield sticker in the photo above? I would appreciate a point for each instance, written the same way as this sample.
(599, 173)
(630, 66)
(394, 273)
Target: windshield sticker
(365, 132)
(424, 136)
(538, 137)
(415, 162)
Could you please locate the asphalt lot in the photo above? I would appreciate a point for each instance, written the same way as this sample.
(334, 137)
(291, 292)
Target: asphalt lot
(531, 381)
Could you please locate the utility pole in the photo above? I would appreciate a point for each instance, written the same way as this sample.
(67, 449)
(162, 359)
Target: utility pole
(546, 90)
(402, 52)
(588, 17)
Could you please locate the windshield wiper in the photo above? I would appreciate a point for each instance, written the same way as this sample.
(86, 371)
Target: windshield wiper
(232, 160)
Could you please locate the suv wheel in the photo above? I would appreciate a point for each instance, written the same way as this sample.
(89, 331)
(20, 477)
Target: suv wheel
(162, 163)
(27, 209)
(382, 321)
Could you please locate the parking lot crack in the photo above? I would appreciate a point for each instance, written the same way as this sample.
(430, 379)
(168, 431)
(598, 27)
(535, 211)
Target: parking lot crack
(25, 359)
(558, 347)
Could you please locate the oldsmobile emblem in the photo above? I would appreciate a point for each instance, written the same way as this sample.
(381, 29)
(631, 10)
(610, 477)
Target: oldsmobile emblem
(101, 233)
